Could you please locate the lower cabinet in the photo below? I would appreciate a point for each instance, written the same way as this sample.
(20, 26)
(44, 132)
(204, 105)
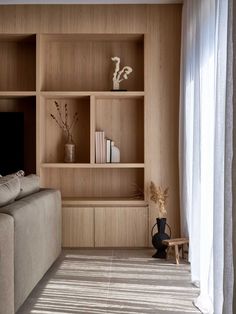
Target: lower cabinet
(121, 227)
(105, 226)
(77, 227)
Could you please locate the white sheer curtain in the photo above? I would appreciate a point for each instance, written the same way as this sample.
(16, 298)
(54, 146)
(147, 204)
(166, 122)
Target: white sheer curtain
(202, 126)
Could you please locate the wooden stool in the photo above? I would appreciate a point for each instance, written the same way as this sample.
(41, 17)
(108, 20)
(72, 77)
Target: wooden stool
(176, 243)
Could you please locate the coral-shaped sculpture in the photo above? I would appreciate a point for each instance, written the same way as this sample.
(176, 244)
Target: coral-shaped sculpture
(120, 75)
(159, 195)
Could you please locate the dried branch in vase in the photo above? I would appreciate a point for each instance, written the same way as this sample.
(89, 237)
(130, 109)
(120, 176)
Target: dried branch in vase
(159, 196)
(63, 123)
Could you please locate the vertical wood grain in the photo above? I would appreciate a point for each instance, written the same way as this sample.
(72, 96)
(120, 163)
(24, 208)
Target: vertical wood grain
(77, 227)
(121, 227)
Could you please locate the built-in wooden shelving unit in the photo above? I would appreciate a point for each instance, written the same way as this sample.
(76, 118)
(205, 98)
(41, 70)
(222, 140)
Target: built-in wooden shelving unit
(85, 86)
(63, 54)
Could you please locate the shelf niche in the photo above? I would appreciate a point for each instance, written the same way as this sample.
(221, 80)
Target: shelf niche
(18, 62)
(27, 105)
(54, 139)
(95, 183)
(82, 62)
(122, 120)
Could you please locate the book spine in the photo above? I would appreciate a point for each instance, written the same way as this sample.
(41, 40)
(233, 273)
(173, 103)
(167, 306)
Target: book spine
(100, 147)
(108, 150)
(97, 148)
(103, 148)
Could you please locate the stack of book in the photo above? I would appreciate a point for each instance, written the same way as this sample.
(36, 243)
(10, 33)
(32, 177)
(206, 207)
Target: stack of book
(103, 148)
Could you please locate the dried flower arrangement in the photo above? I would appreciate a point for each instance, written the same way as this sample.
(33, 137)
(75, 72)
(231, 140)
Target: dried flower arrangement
(159, 195)
(63, 122)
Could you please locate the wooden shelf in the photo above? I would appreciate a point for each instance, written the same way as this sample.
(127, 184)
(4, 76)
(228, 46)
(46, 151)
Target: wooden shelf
(92, 37)
(16, 94)
(87, 166)
(111, 94)
(111, 201)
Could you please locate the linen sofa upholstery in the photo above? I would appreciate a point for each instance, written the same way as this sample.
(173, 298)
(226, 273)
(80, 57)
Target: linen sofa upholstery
(6, 264)
(37, 238)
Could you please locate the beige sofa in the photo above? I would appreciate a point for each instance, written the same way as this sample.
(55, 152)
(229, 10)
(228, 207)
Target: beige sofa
(30, 241)
(6, 264)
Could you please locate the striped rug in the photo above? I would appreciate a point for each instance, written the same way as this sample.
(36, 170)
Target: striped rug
(113, 282)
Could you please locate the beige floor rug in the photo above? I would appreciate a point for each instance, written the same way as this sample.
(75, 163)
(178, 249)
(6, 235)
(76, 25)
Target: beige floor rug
(113, 282)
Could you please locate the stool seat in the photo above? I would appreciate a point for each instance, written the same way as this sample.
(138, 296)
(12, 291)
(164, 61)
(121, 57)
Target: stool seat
(176, 243)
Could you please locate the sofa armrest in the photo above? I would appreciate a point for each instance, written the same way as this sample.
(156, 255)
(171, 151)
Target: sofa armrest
(6, 264)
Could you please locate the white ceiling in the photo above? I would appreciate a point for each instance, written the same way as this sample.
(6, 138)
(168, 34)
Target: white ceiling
(89, 1)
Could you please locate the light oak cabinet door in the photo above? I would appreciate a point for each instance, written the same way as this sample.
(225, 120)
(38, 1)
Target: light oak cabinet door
(121, 227)
(77, 227)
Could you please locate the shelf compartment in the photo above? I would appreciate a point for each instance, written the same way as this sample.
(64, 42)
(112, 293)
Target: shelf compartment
(85, 61)
(27, 105)
(95, 183)
(53, 137)
(18, 94)
(88, 166)
(18, 62)
(122, 120)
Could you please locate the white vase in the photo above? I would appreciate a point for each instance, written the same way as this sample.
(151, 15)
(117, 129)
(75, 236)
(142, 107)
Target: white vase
(115, 153)
(116, 85)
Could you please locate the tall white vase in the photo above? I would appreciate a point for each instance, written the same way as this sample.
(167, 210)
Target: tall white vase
(115, 153)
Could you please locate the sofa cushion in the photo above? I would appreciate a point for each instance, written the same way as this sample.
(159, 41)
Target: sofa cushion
(28, 185)
(9, 189)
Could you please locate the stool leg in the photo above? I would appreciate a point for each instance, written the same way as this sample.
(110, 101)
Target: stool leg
(177, 254)
(167, 252)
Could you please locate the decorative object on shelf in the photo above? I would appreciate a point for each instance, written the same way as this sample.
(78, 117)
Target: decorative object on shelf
(120, 75)
(138, 192)
(67, 128)
(160, 236)
(108, 150)
(69, 152)
(115, 153)
(159, 195)
(100, 147)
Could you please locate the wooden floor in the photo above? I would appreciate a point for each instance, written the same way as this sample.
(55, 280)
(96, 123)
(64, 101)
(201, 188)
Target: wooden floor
(113, 281)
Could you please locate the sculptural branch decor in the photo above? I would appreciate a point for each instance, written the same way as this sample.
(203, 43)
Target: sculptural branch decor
(67, 128)
(119, 75)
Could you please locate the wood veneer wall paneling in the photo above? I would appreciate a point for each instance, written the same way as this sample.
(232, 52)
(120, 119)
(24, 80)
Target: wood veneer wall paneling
(94, 183)
(151, 45)
(162, 72)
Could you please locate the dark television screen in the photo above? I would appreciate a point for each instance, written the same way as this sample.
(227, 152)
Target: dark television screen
(11, 142)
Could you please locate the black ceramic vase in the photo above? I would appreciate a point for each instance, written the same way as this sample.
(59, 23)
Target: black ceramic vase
(158, 237)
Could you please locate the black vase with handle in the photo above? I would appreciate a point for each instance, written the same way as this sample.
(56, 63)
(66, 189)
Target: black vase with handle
(158, 237)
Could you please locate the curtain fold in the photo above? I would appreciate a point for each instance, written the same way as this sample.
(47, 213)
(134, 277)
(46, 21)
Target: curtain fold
(202, 145)
(228, 204)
